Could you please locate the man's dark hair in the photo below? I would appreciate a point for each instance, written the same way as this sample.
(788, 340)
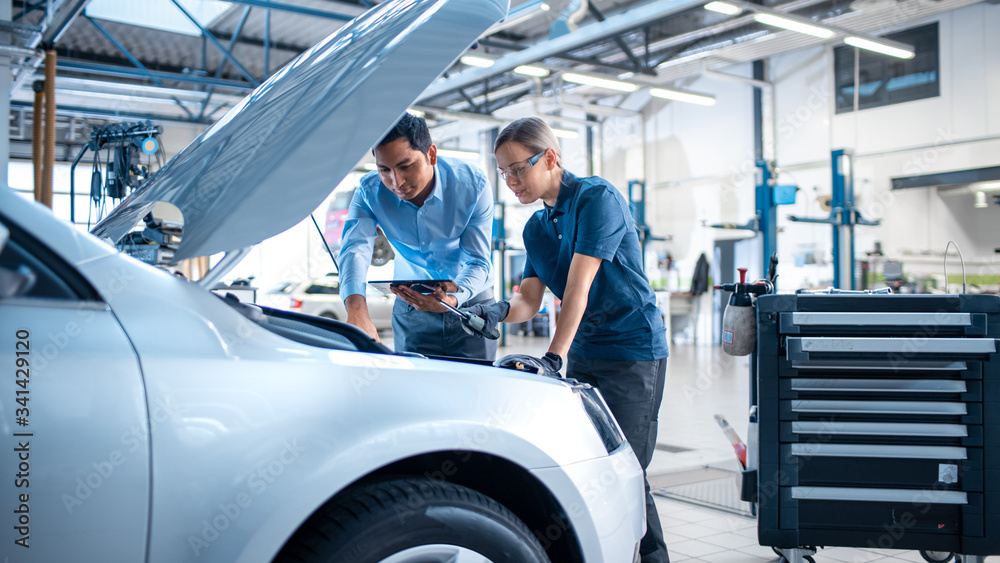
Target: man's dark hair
(414, 129)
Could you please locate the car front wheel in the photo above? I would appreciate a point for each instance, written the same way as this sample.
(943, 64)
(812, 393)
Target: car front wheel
(414, 521)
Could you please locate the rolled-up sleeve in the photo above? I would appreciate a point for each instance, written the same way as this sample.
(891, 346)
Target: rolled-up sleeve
(357, 243)
(476, 245)
(601, 225)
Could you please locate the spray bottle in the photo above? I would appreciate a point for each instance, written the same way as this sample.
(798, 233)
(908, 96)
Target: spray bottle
(739, 322)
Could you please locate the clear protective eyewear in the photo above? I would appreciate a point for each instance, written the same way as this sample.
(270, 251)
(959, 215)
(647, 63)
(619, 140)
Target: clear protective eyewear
(519, 171)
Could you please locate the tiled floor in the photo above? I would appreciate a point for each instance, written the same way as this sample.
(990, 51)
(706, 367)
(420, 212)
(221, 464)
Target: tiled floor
(701, 382)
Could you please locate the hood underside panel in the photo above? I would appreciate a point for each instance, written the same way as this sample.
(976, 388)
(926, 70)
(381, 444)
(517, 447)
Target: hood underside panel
(273, 158)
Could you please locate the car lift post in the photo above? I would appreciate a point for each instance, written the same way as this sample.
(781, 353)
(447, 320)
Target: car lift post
(637, 203)
(500, 247)
(767, 197)
(843, 217)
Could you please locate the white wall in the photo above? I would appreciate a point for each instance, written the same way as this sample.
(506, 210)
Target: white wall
(699, 159)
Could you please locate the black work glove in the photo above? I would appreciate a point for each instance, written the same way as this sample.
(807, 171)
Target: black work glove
(492, 313)
(549, 364)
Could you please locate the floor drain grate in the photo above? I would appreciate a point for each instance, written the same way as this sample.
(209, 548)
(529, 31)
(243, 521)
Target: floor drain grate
(708, 487)
(670, 448)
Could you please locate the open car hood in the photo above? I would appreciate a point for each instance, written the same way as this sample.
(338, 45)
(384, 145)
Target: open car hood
(274, 157)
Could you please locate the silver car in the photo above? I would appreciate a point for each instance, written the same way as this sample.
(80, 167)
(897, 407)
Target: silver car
(321, 297)
(147, 419)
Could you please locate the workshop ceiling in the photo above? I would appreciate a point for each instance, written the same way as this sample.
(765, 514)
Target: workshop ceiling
(99, 72)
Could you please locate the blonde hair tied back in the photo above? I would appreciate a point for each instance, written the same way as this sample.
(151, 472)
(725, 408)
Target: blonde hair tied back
(532, 133)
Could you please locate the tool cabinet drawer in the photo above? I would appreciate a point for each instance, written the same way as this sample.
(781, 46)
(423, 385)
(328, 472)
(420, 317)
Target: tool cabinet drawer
(884, 465)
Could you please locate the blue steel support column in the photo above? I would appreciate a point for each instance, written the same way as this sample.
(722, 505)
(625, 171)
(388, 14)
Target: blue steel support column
(267, 43)
(222, 65)
(842, 202)
(136, 62)
(843, 217)
(637, 200)
(225, 52)
(767, 214)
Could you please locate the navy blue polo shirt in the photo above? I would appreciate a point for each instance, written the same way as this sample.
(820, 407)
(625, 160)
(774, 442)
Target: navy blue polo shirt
(591, 217)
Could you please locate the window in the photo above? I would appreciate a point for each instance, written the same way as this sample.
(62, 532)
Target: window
(885, 80)
(324, 289)
(54, 279)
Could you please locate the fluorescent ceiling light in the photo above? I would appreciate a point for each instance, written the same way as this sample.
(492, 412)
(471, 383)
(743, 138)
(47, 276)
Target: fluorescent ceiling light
(793, 25)
(416, 112)
(472, 60)
(161, 15)
(723, 8)
(599, 82)
(529, 70)
(675, 95)
(878, 47)
(455, 153)
(369, 166)
(565, 133)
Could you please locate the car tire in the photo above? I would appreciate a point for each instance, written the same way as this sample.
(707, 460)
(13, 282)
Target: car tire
(329, 315)
(937, 556)
(410, 521)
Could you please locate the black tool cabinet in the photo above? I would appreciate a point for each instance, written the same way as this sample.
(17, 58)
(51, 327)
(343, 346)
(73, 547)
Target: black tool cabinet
(879, 422)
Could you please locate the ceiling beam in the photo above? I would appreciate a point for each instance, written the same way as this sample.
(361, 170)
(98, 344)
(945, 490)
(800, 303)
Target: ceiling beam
(346, 12)
(127, 72)
(271, 44)
(108, 113)
(636, 63)
(58, 22)
(614, 25)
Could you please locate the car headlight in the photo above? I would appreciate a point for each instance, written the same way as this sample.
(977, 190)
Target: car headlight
(600, 415)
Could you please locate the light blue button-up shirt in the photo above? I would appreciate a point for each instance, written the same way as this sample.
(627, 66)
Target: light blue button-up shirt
(449, 237)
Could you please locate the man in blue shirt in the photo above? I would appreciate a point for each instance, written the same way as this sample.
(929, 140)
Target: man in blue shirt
(438, 216)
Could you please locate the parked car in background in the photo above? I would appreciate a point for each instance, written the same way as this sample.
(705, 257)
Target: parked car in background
(279, 295)
(321, 297)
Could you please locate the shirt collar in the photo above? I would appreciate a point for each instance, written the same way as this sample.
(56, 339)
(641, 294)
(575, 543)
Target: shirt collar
(566, 190)
(439, 183)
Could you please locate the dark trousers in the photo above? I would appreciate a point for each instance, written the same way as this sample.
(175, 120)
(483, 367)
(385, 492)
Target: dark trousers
(440, 334)
(633, 391)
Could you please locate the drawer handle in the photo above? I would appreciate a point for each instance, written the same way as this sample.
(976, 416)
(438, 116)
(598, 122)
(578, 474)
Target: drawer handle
(880, 407)
(907, 346)
(880, 385)
(885, 451)
(882, 319)
(880, 429)
(801, 360)
(914, 496)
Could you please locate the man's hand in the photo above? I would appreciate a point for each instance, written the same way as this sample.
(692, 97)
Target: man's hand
(492, 313)
(422, 302)
(357, 315)
(549, 364)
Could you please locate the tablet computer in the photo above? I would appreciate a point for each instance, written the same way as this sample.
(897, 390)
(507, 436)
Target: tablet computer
(421, 286)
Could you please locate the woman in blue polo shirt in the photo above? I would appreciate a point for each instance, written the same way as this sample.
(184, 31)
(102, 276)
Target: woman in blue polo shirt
(583, 246)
